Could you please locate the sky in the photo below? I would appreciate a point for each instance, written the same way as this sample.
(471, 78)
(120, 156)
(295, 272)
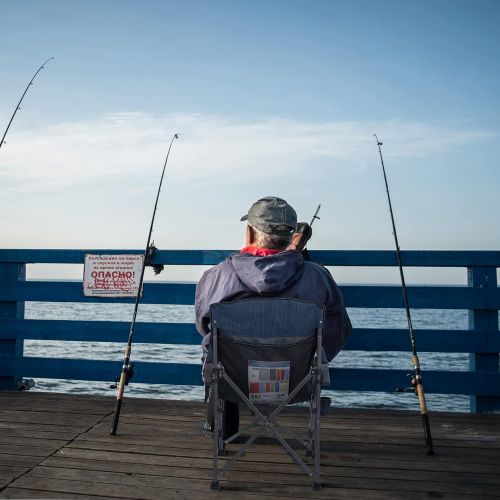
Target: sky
(269, 98)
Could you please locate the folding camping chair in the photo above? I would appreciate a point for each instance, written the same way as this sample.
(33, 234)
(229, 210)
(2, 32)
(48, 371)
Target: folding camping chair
(266, 355)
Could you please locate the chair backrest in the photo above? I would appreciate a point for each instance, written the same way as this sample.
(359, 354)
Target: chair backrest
(266, 345)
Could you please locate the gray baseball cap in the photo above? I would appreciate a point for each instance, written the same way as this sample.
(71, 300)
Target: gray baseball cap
(272, 215)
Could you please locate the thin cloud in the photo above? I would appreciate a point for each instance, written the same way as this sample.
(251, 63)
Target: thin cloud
(212, 148)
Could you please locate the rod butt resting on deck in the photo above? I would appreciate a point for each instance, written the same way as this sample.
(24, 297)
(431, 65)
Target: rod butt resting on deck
(427, 433)
(116, 417)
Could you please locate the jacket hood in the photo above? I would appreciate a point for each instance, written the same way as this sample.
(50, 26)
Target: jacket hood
(268, 275)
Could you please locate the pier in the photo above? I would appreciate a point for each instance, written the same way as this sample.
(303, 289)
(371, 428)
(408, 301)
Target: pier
(58, 446)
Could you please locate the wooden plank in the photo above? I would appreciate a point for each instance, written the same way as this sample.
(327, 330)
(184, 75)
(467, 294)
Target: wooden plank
(32, 432)
(50, 418)
(362, 339)
(10, 275)
(30, 451)
(425, 258)
(411, 258)
(61, 431)
(28, 441)
(12, 492)
(359, 462)
(372, 435)
(18, 460)
(12, 470)
(170, 480)
(9, 474)
(380, 446)
(274, 483)
(89, 409)
(102, 370)
(169, 257)
(178, 489)
(101, 331)
(427, 297)
(262, 461)
(160, 409)
(70, 291)
(339, 494)
(385, 380)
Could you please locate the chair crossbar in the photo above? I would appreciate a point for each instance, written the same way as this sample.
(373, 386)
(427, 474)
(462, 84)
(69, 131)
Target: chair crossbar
(267, 423)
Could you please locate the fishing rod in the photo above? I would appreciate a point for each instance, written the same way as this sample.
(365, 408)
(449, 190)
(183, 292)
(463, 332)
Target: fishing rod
(315, 216)
(416, 381)
(18, 107)
(127, 367)
(302, 235)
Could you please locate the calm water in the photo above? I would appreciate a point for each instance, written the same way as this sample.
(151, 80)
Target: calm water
(373, 318)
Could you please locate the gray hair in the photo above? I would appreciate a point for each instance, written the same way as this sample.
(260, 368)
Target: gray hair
(271, 241)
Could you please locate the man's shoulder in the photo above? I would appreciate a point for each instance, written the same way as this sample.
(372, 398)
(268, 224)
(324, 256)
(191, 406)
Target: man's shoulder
(318, 272)
(223, 267)
(312, 267)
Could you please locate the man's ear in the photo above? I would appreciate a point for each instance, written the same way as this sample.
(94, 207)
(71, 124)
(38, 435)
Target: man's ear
(250, 235)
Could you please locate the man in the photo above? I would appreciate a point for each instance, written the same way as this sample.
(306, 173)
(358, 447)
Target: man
(270, 266)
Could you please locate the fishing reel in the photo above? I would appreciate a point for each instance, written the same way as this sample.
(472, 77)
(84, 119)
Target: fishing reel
(129, 373)
(157, 268)
(412, 384)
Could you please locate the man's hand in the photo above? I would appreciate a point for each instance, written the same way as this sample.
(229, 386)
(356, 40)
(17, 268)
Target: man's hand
(301, 236)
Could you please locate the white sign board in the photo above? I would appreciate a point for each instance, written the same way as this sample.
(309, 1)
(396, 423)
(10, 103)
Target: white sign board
(112, 275)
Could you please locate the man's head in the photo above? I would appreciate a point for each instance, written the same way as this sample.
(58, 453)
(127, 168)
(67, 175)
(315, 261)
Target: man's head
(271, 223)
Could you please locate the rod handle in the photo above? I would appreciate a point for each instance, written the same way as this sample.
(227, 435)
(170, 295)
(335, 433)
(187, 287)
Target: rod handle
(119, 400)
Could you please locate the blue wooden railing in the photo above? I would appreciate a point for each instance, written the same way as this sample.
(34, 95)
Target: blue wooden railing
(481, 340)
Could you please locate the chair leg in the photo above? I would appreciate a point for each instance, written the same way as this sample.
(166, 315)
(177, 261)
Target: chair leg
(220, 427)
(216, 441)
(310, 432)
(317, 440)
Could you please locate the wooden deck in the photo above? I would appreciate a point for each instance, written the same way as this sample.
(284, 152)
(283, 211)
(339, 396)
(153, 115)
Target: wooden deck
(58, 446)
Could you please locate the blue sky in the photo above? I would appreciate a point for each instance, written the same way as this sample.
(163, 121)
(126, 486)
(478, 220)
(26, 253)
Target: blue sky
(269, 97)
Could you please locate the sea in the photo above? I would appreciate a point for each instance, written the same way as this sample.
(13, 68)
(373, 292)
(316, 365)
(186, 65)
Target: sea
(366, 318)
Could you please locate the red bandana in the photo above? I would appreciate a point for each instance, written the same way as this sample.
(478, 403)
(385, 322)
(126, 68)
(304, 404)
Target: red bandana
(259, 252)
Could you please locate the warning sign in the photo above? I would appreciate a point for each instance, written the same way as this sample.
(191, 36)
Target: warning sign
(112, 275)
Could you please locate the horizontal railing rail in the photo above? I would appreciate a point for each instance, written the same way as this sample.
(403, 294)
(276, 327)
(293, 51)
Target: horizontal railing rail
(370, 258)
(370, 296)
(481, 297)
(360, 379)
(362, 339)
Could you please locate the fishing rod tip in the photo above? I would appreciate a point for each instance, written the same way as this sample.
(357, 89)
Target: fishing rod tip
(176, 136)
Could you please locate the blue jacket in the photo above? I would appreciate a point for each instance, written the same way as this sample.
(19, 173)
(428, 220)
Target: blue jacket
(285, 274)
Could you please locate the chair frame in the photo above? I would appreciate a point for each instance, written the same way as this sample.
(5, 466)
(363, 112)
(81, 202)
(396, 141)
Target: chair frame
(311, 444)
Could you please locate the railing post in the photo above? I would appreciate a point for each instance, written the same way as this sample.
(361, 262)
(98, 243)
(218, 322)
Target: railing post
(10, 274)
(485, 321)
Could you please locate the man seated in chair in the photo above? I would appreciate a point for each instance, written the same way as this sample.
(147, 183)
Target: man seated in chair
(270, 266)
